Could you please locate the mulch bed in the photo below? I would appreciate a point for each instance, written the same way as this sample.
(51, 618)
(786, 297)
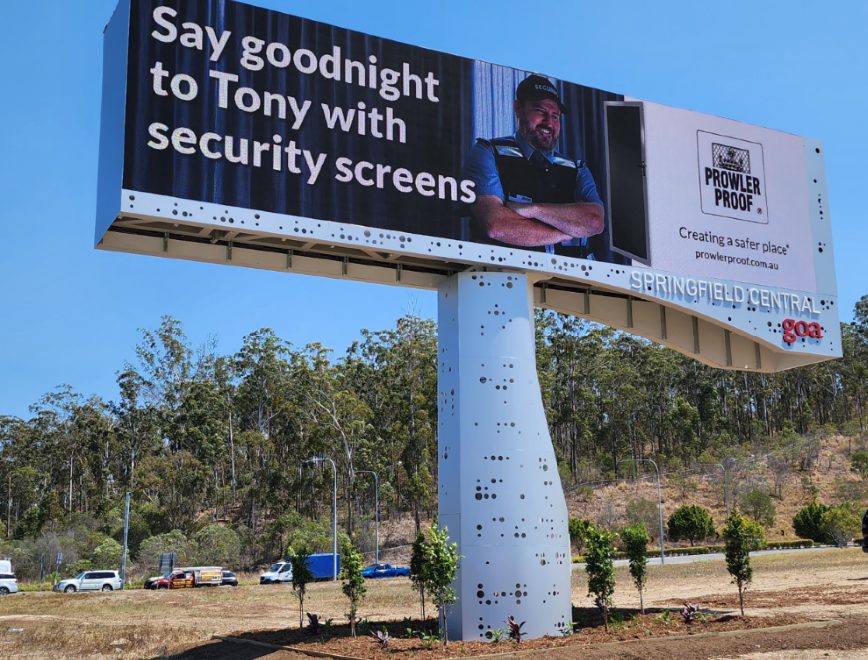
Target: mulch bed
(625, 625)
(832, 595)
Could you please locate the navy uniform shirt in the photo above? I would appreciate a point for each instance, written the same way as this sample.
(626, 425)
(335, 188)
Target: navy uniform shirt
(481, 168)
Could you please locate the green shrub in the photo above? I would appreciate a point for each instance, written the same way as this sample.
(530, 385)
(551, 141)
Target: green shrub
(174, 541)
(600, 568)
(45, 585)
(636, 539)
(354, 586)
(808, 522)
(758, 504)
(841, 525)
(301, 576)
(107, 554)
(803, 543)
(739, 539)
(690, 522)
(217, 545)
(315, 535)
(439, 565)
(578, 528)
(695, 550)
(418, 569)
(80, 565)
(755, 534)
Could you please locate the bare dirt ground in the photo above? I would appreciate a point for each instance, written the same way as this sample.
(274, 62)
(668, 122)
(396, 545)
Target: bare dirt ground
(811, 604)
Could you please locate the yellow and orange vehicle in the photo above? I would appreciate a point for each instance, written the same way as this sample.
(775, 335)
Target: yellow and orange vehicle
(195, 576)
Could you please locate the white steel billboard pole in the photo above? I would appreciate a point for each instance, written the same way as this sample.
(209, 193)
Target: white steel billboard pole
(500, 495)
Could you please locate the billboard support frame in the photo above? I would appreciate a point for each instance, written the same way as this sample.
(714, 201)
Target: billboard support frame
(499, 490)
(384, 211)
(683, 330)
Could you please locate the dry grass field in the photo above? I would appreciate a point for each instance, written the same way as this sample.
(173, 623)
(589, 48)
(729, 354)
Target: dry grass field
(822, 595)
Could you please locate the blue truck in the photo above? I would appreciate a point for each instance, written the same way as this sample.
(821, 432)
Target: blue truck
(320, 565)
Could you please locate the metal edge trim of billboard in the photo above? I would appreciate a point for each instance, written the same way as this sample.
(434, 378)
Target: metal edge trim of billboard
(559, 279)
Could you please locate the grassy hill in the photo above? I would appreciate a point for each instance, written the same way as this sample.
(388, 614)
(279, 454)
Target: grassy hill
(793, 475)
(792, 483)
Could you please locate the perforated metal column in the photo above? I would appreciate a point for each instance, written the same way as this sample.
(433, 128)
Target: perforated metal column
(500, 494)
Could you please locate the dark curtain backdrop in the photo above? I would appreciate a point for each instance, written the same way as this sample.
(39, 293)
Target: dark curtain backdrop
(437, 133)
(584, 133)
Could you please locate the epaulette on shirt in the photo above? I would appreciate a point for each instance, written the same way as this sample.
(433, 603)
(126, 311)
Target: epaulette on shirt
(502, 147)
(557, 160)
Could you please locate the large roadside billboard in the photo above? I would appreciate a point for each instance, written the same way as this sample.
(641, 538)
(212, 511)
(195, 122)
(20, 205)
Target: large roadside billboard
(237, 134)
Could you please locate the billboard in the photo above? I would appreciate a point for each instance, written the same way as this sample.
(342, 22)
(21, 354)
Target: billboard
(236, 134)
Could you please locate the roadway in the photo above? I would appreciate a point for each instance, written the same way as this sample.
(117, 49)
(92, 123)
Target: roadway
(654, 559)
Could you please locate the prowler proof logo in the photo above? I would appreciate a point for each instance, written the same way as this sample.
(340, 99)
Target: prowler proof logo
(732, 177)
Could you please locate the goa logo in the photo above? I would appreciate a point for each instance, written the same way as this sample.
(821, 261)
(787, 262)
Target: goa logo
(794, 329)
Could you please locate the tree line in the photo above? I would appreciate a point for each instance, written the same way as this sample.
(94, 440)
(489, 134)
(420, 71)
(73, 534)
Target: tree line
(200, 438)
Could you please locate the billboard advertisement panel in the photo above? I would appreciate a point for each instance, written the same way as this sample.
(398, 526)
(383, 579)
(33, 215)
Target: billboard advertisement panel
(251, 129)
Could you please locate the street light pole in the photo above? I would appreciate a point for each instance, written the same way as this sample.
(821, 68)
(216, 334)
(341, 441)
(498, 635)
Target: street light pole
(317, 460)
(126, 535)
(659, 502)
(376, 513)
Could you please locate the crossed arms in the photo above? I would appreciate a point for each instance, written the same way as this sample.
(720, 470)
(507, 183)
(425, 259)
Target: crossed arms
(535, 224)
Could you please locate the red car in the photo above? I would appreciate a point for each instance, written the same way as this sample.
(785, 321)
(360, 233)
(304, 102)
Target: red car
(153, 582)
(175, 580)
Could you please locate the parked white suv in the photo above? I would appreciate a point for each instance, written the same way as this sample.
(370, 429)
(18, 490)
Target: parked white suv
(8, 584)
(90, 581)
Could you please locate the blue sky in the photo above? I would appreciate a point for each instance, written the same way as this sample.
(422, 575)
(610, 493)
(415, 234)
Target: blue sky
(71, 314)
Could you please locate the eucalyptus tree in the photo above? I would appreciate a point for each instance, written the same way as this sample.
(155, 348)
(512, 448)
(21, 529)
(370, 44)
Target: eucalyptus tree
(259, 422)
(414, 370)
(136, 426)
(854, 369)
(60, 442)
(166, 370)
(338, 419)
(201, 432)
(563, 354)
(394, 372)
(20, 479)
(262, 369)
(93, 422)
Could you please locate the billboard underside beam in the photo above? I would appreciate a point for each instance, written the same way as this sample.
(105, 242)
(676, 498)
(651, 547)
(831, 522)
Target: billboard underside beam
(671, 327)
(688, 334)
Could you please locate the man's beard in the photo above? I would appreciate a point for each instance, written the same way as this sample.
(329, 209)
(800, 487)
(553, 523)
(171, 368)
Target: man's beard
(544, 141)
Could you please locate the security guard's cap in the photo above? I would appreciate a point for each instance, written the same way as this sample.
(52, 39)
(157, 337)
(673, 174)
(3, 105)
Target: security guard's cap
(536, 87)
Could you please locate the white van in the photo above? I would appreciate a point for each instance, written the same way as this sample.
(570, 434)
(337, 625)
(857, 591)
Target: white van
(8, 582)
(280, 572)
